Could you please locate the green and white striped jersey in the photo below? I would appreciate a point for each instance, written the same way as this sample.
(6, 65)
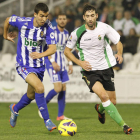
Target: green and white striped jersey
(93, 45)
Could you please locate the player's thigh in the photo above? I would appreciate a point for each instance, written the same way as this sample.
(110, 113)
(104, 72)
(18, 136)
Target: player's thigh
(112, 96)
(30, 92)
(33, 80)
(91, 78)
(58, 87)
(100, 91)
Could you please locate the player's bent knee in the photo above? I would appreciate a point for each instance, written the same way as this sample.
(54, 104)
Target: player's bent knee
(104, 97)
(39, 89)
(58, 89)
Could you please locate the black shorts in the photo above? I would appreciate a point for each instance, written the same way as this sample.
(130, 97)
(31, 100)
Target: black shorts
(106, 77)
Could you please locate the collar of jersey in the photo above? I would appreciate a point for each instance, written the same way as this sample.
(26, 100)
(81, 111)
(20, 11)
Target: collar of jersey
(58, 30)
(92, 30)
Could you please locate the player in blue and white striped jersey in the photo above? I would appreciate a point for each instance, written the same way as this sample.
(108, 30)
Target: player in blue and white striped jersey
(56, 66)
(34, 33)
(61, 36)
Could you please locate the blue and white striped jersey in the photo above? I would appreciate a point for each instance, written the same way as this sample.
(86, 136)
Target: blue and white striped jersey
(61, 40)
(31, 39)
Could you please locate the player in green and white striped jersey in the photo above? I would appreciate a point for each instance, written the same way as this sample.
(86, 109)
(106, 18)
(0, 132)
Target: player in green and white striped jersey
(97, 60)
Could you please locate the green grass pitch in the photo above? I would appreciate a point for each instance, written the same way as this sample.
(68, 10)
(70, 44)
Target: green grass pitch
(31, 127)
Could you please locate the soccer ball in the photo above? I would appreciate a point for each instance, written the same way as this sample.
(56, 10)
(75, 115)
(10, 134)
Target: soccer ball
(67, 128)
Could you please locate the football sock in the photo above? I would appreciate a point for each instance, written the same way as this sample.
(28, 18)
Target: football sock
(113, 112)
(50, 95)
(40, 101)
(24, 101)
(61, 103)
(101, 108)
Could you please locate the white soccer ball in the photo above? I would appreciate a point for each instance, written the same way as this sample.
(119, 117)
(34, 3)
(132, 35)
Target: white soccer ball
(67, 128)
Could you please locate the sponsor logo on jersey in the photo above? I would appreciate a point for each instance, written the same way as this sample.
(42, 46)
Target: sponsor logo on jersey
(30, 43)
(60, 47)
(70, 38)
(52, 35)
(99, 37)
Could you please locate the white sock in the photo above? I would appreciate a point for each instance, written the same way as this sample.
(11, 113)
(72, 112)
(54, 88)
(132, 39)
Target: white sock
(107, 103)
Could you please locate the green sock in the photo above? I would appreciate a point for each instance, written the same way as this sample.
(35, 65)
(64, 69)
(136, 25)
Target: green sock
(114, 114)
(101, 108)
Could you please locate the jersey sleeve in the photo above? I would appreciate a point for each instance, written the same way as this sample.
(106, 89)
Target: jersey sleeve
(112, 34)
(50, 38)
(72, 40)
(16, 21)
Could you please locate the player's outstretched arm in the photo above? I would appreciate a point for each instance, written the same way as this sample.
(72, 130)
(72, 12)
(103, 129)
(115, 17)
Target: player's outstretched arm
(51, 50)
(6, 27)
(6, 35)
(84, 64)
(119, 53)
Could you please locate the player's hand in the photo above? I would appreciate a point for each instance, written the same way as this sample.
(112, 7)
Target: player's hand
(70, 69)
(119, 58)
(56, 67)
(35, 55)
(86, 65)
(11, 36)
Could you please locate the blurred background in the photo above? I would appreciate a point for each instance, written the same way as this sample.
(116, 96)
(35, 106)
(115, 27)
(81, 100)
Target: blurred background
(122, 15)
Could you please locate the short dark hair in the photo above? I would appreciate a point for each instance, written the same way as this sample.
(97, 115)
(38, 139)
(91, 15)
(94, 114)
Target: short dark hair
(41, 7)
(88, 7)
(61, 14)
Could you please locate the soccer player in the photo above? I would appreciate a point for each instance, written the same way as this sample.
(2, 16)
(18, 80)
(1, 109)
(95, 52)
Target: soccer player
(56, 67)
(34, 33)
(97, 60)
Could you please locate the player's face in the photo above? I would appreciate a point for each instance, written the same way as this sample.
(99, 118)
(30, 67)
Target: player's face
(90, 18)
(61, 21)
(41, 18)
